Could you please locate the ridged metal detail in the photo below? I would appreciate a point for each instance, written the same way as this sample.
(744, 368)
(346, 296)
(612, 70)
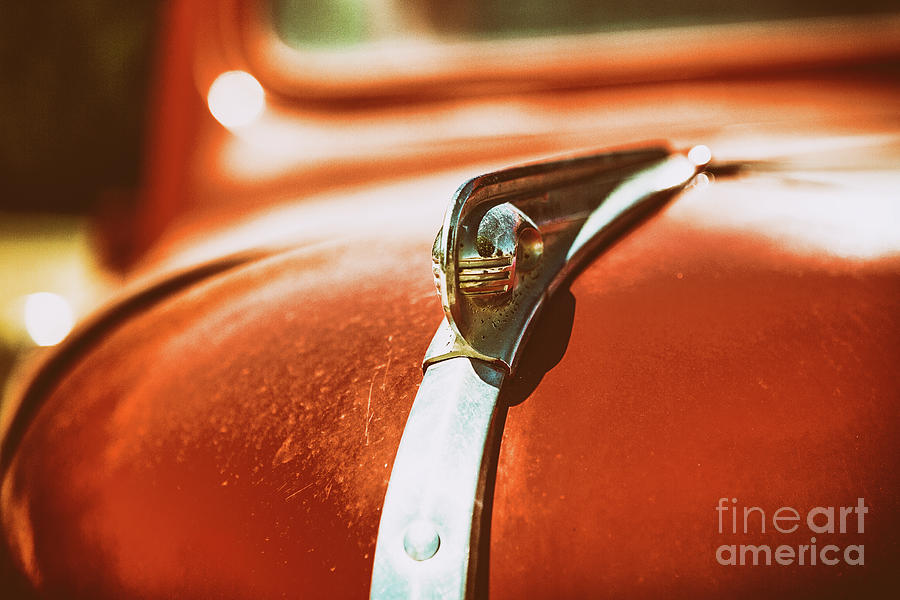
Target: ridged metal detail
(486, 276)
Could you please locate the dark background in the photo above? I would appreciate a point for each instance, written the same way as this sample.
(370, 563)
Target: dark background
(73, 102)
(75, 87)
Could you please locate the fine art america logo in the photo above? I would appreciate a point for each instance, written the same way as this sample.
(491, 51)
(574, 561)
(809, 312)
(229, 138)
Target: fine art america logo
(829, 521)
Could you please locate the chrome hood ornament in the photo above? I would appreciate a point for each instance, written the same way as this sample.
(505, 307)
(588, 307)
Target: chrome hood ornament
(509, 240)
(504, 241)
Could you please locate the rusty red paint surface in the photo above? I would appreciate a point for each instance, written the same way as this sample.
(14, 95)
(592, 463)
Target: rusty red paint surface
(238, 441)
(236, 438)
(704, 362)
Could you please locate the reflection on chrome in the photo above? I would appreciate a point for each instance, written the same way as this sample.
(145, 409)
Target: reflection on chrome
(700, 155)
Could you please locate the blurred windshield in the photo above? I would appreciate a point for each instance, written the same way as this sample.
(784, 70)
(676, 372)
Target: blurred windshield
(314, 24)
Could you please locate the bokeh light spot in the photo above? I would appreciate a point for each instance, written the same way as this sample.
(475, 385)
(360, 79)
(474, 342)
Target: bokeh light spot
(236, 99)
(48, 318)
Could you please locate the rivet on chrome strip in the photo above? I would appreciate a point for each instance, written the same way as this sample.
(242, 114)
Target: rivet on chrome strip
(421, 541)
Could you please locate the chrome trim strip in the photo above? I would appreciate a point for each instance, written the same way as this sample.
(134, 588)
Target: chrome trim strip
(426, 535)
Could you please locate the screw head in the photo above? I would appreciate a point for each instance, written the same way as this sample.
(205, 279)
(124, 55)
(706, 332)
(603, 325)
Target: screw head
(421, 540)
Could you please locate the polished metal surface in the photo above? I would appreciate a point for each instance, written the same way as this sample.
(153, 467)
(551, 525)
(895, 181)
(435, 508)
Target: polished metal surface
(426, 536)
(559, 212)
(508, 241)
